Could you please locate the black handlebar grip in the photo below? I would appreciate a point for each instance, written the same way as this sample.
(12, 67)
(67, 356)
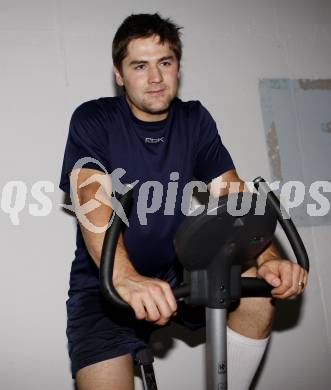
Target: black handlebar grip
(182, 291)
(286, 223)
(254, 287)
(108, 254)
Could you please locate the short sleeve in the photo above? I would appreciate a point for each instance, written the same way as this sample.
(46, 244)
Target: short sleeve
(88, 137)
(212, 157)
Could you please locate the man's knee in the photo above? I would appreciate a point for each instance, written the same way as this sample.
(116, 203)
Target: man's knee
(253, 317)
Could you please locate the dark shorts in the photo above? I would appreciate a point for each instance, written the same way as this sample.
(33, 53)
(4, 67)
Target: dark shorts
(98, 332)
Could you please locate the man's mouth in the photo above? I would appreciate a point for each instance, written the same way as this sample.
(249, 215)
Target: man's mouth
(156, 92)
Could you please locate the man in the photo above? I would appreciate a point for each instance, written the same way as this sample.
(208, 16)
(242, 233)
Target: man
(153, 136)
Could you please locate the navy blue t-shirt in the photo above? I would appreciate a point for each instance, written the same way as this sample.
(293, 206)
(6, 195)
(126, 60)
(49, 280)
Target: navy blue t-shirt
(187, 142)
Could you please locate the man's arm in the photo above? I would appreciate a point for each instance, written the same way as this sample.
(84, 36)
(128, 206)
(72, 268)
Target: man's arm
(283, 275)
(150, 298)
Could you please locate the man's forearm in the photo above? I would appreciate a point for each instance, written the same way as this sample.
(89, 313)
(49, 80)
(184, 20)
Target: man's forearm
(122, 265)
(269, 253)
(94, 243)
(99, 217)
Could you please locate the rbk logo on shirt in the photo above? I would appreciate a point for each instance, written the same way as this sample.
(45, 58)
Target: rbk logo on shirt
(154, 140)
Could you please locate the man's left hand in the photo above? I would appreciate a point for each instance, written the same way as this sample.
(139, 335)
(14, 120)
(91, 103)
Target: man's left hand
(288, 279)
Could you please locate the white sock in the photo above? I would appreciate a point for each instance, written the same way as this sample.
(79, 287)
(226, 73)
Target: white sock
(244, 357)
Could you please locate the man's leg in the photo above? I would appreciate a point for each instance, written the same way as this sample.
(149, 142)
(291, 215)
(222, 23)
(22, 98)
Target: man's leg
(253, 317)
(249, 327)
(116, 373)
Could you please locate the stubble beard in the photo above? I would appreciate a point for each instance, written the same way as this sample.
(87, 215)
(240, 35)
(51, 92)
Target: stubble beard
(157, 107)
(151, 106)
(151, 109)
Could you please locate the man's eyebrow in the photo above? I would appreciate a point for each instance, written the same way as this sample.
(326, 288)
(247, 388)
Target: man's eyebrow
(171, 57)
(137, 62)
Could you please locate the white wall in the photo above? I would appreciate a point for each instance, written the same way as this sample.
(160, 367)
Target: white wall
(54, 55)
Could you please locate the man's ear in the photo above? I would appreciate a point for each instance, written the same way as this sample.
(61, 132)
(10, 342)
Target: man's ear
(118, 77)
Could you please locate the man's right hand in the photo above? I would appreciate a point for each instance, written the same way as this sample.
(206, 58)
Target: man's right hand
(150, 298)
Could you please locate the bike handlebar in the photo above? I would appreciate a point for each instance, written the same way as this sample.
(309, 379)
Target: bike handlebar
(286, 223)
(249, 286)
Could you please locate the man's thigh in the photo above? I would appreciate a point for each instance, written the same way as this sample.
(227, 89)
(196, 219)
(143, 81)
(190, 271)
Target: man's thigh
(98, 333)
(116, 373)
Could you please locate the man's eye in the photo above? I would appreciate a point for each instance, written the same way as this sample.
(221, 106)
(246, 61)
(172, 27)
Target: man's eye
(138, 67)
(166, 63)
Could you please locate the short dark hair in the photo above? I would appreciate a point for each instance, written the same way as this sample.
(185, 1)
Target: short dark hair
(144, 26)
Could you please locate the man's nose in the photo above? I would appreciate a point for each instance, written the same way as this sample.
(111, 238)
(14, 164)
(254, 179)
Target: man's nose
(155, 75)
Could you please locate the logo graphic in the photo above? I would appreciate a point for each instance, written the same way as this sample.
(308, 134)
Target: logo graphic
(109, 184)
(154, 140)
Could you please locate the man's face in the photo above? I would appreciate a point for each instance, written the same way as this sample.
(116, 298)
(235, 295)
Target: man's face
(150, 77)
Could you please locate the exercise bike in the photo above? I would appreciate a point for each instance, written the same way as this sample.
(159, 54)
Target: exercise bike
(211, 246)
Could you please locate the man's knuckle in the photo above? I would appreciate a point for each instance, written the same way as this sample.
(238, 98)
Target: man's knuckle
(296, 267)
(165, 286)
(155, 289)
(154, 317)
(286, 264)
(135, 296)
(140, 314)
